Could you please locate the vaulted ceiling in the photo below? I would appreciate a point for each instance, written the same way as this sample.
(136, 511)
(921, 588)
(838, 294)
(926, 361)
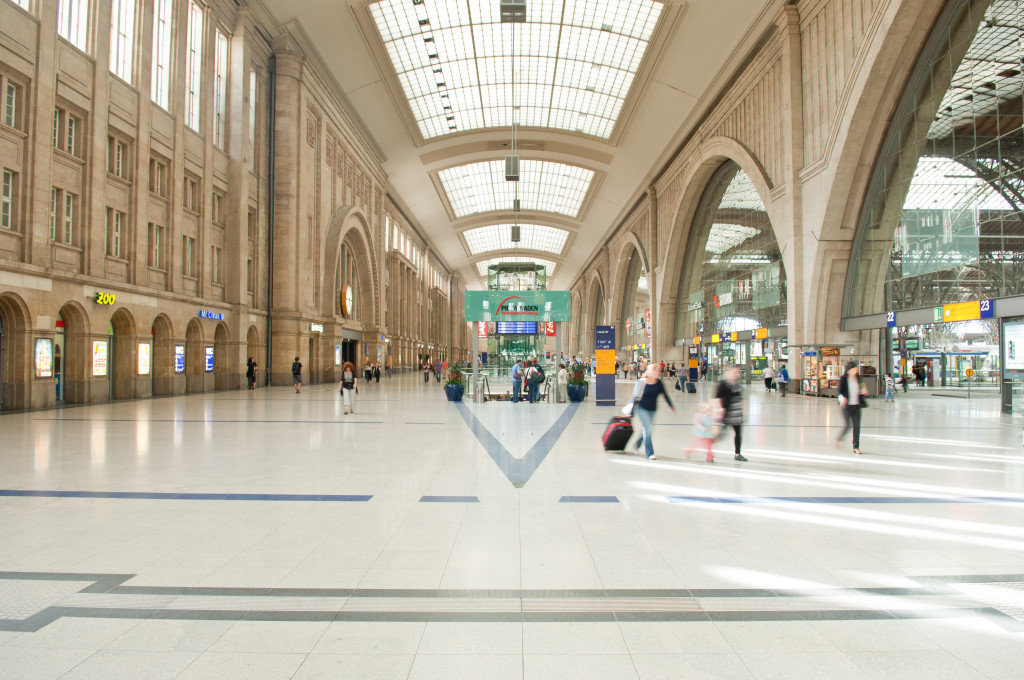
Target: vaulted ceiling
(599, 91)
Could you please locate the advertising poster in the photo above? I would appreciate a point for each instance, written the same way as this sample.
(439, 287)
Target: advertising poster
(99, 358)
(337, 355)
(1013, 349)
(209, 359)
(481, 330)
(144, 358)
(44, 358)
(549, 329)
(179, 358)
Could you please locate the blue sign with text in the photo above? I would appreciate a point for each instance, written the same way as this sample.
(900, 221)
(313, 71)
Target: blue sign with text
(604, 337)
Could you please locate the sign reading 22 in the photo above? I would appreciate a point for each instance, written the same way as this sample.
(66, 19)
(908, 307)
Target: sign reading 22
(104, 298)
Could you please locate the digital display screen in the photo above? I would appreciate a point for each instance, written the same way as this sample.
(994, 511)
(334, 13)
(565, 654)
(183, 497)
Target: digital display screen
(517, 327)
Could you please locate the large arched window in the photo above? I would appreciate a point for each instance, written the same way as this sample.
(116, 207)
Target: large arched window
(635, 324)
(943, 222)
(732, 278)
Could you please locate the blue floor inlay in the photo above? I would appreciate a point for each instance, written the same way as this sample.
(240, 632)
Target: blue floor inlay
(449, 499)
(845, 499)
(146, 495)
(518, 470)
(588, 499)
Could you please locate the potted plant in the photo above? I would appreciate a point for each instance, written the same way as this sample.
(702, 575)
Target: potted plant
(576, 385)
(454, 386)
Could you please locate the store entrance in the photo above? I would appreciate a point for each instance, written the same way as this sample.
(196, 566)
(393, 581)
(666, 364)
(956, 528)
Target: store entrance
(314, 360)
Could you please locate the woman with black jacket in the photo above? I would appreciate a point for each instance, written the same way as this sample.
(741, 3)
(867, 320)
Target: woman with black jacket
(852, 398)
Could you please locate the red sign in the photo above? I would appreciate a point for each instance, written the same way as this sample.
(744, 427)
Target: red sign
(481, 329)
(549, 328)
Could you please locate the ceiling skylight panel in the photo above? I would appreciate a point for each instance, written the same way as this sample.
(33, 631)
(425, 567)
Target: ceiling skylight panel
(481, 267)
(499, 237)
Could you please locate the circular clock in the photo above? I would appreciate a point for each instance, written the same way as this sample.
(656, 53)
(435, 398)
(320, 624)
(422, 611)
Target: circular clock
(346, 300)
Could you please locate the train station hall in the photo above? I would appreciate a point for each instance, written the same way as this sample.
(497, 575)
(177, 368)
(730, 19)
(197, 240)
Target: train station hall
(579, 339)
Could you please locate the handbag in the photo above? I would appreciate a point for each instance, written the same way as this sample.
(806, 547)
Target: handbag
(677, 385)
(627, 410)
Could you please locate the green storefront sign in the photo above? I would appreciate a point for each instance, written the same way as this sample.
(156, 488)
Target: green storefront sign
(506, 305)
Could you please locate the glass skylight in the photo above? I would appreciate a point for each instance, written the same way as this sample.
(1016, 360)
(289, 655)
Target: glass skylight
(544, 186)
(482, 266)
(572, 61)
(499, 237)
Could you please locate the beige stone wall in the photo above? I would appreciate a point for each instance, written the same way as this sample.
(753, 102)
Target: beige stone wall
(329, 191)
(804, 117)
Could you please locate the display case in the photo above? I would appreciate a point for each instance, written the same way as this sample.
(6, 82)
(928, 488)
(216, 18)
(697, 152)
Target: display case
(830, 369)
(809, 360)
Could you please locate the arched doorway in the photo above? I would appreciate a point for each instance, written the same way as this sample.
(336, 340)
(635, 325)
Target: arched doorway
(254, 351)
(634, 330)
(195, 358)
(76, 360)
(221, 358)
(15, 356)
(733, 281)
(163, 356)
(122, 355)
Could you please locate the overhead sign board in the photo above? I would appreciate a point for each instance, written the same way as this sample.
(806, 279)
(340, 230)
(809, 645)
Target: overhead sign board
(503, 305)
(516, 328)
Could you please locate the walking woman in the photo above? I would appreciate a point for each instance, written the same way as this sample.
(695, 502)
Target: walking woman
(729, 400)
(645, 400)
(348, 386)
(250, 373)
(852, 398)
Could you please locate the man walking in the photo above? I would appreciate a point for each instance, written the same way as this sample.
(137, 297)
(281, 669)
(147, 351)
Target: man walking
(297, 375)
(783, 380)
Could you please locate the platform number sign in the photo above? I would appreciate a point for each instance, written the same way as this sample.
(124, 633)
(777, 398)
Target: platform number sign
(987, 309)
(890, 319)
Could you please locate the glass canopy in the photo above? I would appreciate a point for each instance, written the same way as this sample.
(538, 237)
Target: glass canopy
(572, 61)
(481, 267)
(499, 237)
(543, 186)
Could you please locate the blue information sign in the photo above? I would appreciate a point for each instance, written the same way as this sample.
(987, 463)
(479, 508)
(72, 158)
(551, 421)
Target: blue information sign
(988, 310)
(605, 337)
(890, 319)
(209, 359)
(517, 327)
(179, 358)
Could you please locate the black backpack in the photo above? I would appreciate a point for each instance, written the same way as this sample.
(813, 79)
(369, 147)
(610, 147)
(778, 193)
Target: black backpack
(538, 378)
(296, 368)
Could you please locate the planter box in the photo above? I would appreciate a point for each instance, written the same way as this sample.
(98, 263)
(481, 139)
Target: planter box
(576, 392)
(454, 392)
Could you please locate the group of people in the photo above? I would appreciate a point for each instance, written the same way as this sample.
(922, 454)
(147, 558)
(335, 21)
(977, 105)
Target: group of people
(370, 371)
(726, 408)
(438, 368)
(530, 374)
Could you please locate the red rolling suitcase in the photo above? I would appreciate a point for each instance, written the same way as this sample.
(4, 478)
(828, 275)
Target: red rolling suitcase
(617, 434)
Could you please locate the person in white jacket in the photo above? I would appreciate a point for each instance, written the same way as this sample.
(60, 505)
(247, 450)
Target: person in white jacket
(563, 381)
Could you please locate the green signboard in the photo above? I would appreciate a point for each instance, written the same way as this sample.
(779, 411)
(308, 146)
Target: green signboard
(507, 305)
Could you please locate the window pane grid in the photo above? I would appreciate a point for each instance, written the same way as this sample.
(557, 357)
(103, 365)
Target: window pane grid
(577, 56)
(499, 237)
(193, 65)
(543, 186)
(162, 52)
(481, 267)
(220, 90)
(122, 37)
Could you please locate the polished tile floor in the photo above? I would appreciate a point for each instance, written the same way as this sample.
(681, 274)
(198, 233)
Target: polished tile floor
(267, 535)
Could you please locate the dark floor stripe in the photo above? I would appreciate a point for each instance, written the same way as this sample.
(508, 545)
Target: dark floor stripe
(449, 499)
(844, 499)
(185, 496)
(588, 499)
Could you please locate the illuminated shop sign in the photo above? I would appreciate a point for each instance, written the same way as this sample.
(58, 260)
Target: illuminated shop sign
(104, 298)
(216, 316)
(179, 358)
(99, 358)
(316, 327)
(144, 358)
(209, 359)
(44, 358)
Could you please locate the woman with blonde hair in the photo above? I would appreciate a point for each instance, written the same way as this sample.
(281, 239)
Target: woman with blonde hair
(348, 386)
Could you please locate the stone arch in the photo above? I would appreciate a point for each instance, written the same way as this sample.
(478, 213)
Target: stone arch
(163, 354)
(858, 137)
(195, 357)
(622, 261)
(253, 346)
(708, 159)
(595, 311)
(350, 225)
(76, 367)
(15, 352)
(121, 362)
(221, 356)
